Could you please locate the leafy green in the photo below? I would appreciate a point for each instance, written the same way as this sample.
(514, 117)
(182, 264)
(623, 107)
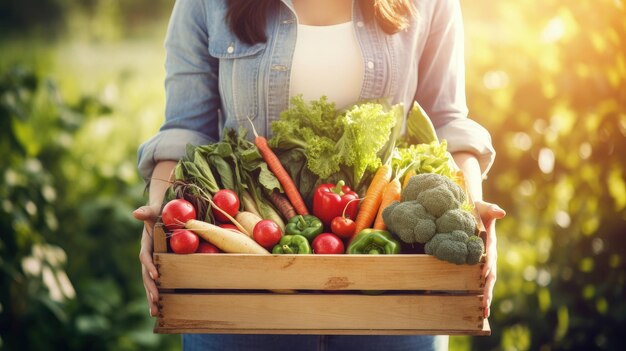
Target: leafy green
(234, 163)
(335, 142)
(367, 128)
(425, 158)
(419, 127)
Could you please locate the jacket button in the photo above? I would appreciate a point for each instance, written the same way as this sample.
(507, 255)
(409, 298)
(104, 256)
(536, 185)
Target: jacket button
(360, 24)
(230, 49)
(370, 64)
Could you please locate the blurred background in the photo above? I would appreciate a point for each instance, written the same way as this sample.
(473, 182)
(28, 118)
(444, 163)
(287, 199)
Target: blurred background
(81, 86)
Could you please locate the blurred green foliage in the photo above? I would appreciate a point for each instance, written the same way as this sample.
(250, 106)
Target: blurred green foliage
(65, 280)
(547, 78)
(98, 19)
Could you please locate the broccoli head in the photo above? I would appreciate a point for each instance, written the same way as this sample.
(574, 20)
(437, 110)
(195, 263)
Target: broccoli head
(456, 247)
(456, 219)
(410, 221)
(438, 200)
(475, 249)
(425, 181)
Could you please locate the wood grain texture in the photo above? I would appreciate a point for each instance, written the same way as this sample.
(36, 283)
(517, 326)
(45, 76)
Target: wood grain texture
(486, 331)
(322, 314)
(158, 235)
(315, 272)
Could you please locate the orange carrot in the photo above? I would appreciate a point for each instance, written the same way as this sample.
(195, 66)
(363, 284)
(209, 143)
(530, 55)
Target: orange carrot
(373, 197)
(390, 194)
(281, 174)
(407, 176)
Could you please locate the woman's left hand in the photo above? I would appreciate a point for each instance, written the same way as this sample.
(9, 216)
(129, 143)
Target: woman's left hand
(489, 213)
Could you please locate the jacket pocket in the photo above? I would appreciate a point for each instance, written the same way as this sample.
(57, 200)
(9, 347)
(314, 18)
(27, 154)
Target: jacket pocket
(239, 65)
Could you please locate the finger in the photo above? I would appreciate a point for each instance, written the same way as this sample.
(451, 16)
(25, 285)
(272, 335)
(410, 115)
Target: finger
(145, 257)
(490, 274)
(151, 288)
(141, 213)
(488, 294)
(489, 211)
(150, 268)
(152, 306)
(491, 258)
(152, 293)
(145, 213)
(496, 211)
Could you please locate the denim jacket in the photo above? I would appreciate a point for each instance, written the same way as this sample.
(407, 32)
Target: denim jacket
(214, 80)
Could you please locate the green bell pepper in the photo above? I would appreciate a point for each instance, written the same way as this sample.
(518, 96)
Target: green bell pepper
(308, 226)
(292, 244)
(374, 242)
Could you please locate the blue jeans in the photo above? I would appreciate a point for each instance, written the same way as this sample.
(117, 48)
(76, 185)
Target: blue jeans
(232, 342)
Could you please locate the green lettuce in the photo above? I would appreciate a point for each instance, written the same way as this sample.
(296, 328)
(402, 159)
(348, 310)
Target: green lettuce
(351, 142)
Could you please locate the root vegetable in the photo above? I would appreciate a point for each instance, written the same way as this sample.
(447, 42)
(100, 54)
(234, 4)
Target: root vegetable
(247, 220)
(224, 239)
(184, 241)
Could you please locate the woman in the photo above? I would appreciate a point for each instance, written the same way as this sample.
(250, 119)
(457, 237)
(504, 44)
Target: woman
(233, 60)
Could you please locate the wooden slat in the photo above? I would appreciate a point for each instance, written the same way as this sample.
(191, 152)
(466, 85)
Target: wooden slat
(328, 272)
(482, 332)
(321, 314)
(160, 244)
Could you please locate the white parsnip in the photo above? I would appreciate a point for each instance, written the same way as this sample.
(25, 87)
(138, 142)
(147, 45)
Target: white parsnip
(249, 204)
(248, 220)
(225, 239)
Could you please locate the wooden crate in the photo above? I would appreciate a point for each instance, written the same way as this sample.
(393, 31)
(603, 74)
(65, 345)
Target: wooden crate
(229, 293)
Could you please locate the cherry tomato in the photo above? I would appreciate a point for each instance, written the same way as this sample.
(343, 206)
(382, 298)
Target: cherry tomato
(176, 213)
(343, 227)
(267, 233)
(184, 241)
(327, 243)
(228, 201)
(207, 247)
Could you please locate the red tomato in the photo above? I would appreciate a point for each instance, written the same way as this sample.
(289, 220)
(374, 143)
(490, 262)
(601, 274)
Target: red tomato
(327, 243)
(207, 247)
(184, 241)
(176, 213)
(343, 227)
(267, 233)
(228, 201)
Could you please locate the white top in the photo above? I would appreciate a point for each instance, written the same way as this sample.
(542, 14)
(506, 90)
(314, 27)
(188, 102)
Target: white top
(319, 69)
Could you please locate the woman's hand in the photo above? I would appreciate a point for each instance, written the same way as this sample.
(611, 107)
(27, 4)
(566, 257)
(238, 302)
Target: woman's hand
(489, 213)
(148, 214)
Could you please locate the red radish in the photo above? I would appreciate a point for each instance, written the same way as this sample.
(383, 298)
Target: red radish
(176, 213)
(184, 241)
(267, 233)
(228, 201)
(207, 247)
(327, 243)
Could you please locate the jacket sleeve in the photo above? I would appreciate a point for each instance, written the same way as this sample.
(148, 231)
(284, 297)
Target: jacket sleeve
(191, 89)
(441, 85)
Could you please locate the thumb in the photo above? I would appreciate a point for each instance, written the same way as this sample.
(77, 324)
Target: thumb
(489, 210)
(496, 211)
(145, 213)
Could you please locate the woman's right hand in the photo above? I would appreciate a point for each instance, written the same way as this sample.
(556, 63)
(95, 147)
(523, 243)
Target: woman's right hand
(148, 214)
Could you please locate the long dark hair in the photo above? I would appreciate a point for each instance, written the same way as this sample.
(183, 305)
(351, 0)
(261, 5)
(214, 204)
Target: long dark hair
(247, 18)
